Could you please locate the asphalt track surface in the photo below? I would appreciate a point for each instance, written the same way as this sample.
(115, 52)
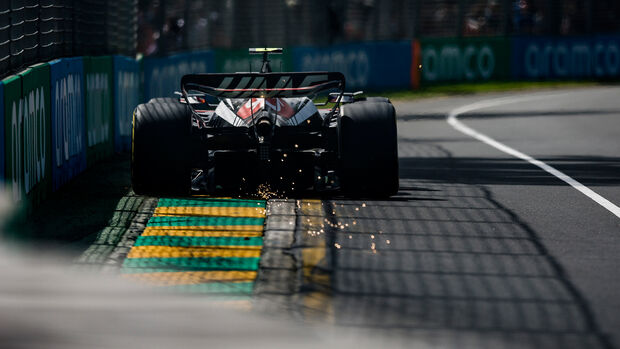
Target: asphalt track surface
(487, 250)
(479, 249)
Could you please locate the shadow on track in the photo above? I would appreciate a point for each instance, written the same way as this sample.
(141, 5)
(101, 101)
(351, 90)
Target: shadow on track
(589, 170)
(459, 270)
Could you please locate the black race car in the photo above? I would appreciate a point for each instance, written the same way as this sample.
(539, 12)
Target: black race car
(267, 128)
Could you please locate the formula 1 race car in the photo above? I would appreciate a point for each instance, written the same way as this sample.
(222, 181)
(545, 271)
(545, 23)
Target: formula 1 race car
(266, 129)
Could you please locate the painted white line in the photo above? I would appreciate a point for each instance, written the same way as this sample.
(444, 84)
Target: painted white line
(458, 125)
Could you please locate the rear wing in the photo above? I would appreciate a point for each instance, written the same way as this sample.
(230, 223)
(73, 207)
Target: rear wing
(262, 51)
(262, 85)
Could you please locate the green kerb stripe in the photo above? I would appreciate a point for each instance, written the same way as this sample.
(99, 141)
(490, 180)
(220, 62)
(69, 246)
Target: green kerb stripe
(165, 202)
(171, 221)
(139, 270)
(234, 288)
(193, 264)
(197, 241)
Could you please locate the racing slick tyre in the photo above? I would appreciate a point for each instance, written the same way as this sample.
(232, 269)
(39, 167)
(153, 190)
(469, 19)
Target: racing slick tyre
(368, 151)
(377, 99)
(163, 100)
(160, 146)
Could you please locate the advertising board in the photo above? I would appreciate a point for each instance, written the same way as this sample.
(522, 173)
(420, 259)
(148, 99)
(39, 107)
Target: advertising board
(373, 65)
(68, 120)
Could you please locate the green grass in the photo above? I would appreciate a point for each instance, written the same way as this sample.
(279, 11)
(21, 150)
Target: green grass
(482, 87)
(473, 88)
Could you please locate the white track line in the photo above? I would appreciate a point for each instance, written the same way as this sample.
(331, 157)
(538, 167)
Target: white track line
(458, 125)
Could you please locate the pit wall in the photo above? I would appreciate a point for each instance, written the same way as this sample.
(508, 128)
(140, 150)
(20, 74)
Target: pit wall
(63, 116)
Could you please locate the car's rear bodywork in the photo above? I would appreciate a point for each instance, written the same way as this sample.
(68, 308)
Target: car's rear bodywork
(265, 128)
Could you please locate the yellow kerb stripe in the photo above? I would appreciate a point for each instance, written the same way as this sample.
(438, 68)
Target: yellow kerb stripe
(253, 212)
(192, 277)
(317, 306)
(159, 231)
(193, 252)
(212, 227)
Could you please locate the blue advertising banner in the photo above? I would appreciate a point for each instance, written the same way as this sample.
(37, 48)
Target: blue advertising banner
(566, 57)
(68, 120)
(2, 115)
(126, 97)
(162, 76)
(374, 65)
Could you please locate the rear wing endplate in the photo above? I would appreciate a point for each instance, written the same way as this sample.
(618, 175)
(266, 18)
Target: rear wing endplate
(262, 85)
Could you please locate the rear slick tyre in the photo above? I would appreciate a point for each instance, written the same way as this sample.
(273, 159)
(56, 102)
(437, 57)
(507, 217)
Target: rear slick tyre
(160, 164)
(368, 149)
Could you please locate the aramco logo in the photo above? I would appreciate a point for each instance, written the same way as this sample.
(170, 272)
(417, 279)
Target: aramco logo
(451, 62)
(28, 142)
(354, 64)
(164, 80)
(127, 89)
(98, 108)
(68, 124)
(572, 59)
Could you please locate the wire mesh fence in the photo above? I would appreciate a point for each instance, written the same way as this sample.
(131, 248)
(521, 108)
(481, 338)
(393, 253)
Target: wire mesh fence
(39, 30)
(34, 31)
(168, 26)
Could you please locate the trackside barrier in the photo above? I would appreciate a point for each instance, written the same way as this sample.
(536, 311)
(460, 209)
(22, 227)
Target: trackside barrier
(375, 65)
(37, 142)
(162, 76)
(232, 61)
(28, 134)
(68, 121)
(13, 124)
(126, 98)
(99, 83)
(463, 59)
(570, 57)
(2, 137)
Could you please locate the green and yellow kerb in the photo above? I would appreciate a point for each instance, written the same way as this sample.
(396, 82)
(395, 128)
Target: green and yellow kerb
(200, 245)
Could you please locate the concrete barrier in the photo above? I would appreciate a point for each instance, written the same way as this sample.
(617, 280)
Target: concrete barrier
(126, 98)
(566, 57)
(99, 107)
(373, 66)
(232, 61)
(68, 120)
(463, 59)
(162, 75)
(28, 135)
(2, 136)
